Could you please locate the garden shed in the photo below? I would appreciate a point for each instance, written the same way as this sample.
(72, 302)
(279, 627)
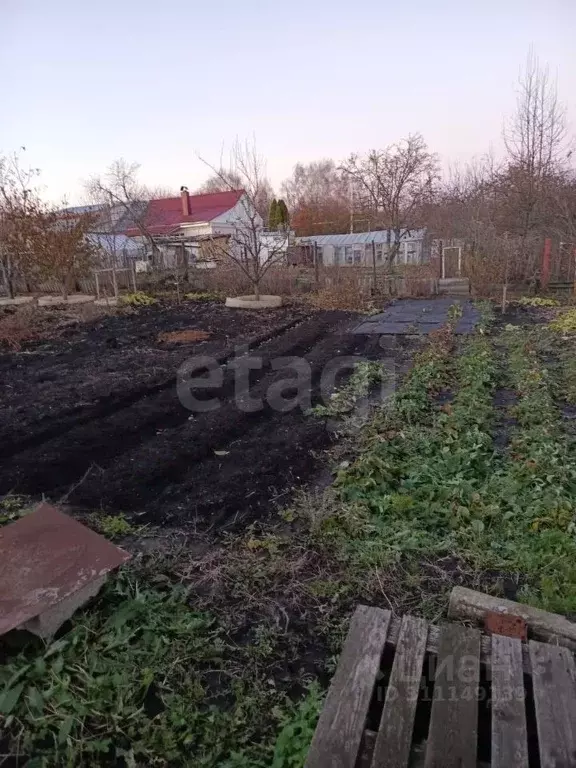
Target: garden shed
(360, 248)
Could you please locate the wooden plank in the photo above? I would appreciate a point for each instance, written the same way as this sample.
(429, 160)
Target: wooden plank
(554, 679)
(434, 639)
(509, 734)
(339, 731)
(392, 749)
(471, 605)
(454, 721)
(366, 749)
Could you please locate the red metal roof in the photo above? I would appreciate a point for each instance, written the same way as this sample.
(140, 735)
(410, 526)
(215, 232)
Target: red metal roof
(165, 215)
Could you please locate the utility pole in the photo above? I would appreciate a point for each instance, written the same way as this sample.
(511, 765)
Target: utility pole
(351, 192)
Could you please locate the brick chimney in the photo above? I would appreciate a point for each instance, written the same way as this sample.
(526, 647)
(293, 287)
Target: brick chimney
(185, 196)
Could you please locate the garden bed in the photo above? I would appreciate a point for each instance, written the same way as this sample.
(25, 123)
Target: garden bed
(94, 414)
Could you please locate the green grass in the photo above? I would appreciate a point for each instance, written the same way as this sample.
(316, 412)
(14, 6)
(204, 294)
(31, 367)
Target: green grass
(145, 678)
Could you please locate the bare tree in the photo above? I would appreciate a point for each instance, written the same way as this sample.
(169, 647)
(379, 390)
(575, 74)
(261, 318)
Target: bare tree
(121, 191)
(397, 183)
(537, 146)
(246, 247)
(64, 251)
(20, 208)
(224, 179)
(317, 195)
(221, 180)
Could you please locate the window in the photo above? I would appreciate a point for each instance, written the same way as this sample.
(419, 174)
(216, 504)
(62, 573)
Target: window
(379, 255)
(319, 254)
(337, 254)
(357, 256)
(348, 254)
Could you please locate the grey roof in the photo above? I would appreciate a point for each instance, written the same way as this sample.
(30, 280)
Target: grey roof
(357, 238)
(115, 243)
(80, 209)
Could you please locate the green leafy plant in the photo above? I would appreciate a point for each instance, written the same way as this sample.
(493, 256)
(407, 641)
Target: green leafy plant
(138, 299)
(203, 296)
(113, 525)
(454, 313)
(342, 401)
(537, 301)
(12, 507)
(297, 731)
(564, 322)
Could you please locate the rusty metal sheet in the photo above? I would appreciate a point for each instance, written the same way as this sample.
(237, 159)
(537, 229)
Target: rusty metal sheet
(46, 557)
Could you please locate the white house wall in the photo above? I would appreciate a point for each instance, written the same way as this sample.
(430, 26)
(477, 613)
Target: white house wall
(237, 216)
(195, 230)
(274, 245)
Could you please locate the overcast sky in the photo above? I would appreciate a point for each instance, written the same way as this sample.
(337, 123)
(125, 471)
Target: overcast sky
(161, 82)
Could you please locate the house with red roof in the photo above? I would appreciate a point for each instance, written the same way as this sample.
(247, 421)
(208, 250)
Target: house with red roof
(192, 220)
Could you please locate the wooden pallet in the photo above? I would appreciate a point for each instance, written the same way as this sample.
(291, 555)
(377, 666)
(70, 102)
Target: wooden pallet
(342, 739)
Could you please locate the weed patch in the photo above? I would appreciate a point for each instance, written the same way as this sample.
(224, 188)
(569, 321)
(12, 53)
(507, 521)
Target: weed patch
(16, 328)
(131, 683)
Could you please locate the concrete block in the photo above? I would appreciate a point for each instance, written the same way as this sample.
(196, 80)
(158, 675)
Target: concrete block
(59, 301)
(266, 301)
(17, 301)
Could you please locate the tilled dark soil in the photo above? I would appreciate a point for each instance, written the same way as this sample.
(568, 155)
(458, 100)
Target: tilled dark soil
(95, 416)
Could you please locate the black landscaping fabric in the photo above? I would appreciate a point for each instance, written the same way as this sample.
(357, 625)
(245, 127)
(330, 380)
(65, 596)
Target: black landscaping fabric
(419, 316)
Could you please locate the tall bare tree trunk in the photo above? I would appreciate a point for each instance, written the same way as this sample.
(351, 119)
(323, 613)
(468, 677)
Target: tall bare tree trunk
(65, 287)
(8, 280)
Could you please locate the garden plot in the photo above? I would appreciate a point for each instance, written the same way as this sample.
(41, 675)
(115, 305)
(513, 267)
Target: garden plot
(95, 416)
(215, 650)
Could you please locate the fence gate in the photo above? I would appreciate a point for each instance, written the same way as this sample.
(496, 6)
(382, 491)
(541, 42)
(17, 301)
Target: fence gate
(451, 261)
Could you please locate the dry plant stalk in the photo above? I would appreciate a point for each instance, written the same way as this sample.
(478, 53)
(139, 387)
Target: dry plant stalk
(19, 327)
